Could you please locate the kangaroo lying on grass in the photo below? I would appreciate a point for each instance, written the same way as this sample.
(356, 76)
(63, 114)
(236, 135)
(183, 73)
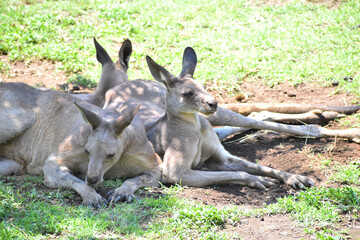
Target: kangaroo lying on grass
(44, 132)
(187, 141)
(154, 93)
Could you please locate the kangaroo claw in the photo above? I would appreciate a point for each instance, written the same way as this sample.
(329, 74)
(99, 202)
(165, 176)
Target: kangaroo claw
(119, 198)
(109, 193)
(129, 199)
(298, 181)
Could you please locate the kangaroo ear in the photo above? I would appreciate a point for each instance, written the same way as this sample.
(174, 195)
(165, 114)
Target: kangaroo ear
(160, 74)
(128, 113)
(89, 116)
(125, 52)
(101, 55)
(189, 63)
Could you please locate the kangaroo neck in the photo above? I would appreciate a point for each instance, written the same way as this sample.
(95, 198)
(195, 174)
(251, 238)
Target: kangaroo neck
(188, 118)
(173, 115)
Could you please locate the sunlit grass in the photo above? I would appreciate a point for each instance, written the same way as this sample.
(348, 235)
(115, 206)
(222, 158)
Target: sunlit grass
(321, 208)
(28, 213)
(347, 173)
(295, 41)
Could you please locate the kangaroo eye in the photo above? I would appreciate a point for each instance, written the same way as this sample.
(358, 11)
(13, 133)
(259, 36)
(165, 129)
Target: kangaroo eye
(188, 94)
(87, 152)
(110, 155)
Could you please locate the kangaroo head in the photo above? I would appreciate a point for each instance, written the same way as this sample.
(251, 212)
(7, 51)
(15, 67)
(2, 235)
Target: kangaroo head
(184, 93)
(105, 143)
(113, 73)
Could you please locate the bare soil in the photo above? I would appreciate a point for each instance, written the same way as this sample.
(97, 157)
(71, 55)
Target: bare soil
(280, 151)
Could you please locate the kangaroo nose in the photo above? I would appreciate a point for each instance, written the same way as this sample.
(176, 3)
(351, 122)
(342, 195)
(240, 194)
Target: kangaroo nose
(213, 105)
(91, 181)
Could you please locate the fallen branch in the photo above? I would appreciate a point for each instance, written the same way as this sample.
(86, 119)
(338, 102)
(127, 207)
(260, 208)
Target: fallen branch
(230, 118)
(290, 108)
(312, 117)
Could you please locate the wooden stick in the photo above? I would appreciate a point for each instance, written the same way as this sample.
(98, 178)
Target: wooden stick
(312, 117)
(247, 108)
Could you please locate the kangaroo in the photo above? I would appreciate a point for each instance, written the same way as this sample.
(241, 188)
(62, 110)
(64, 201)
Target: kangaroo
(186, 141)
(152, 93)
(112, 74)
(74, 145)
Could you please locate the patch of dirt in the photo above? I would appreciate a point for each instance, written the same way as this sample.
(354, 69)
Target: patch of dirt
(34, 73)
(272, 227)
(255, 91)
(280, 151)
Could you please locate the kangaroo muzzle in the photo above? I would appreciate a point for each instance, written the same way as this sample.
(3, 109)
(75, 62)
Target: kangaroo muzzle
(209, 105)
(92, 181)
(212, 105)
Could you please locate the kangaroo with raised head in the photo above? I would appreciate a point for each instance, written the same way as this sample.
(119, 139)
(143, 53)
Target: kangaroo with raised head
(112, 74)
(74, 145)
(186, 141)
(154, 94)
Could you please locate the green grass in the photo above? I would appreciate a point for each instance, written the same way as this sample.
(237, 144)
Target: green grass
(320, 210)
(347, 174)
(235, 40)
(352, 121)
(27, 213)
(79, 80)
(295, 41)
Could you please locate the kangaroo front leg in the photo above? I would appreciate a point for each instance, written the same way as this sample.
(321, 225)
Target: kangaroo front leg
(130, 186)
(57, 175)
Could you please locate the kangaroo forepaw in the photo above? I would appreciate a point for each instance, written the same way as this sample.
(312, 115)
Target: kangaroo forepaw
(95, 201)
(299, 182)
(98, 206)
(261, 182)
(114, 198)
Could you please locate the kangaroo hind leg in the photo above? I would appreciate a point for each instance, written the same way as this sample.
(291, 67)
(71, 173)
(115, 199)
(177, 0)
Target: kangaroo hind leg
(14, 121)
(9, 166)
(224, 161)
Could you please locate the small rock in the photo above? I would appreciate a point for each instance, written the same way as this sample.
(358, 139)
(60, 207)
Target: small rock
(244, 221)
(291, 94)
(62, 87)
(243, 97)
(75, 88)
(335, 83)
(348, 78)
(240, 97)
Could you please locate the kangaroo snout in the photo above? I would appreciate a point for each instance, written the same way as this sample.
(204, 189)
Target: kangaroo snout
(209, 105)
(92, 181)
(212, 105)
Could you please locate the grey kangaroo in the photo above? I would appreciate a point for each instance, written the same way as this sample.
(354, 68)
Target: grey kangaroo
(112, 74)
(154, 93)
(186, 140)
(74, 145)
